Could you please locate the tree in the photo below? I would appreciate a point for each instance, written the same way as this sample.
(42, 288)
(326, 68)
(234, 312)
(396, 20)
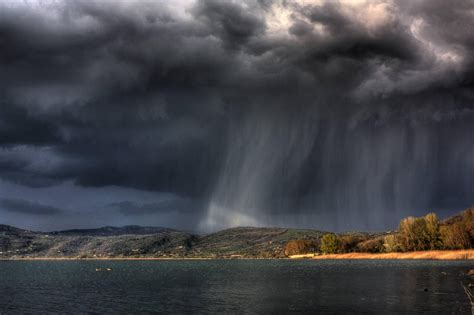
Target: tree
(457, 232)
(433, 231)
(407, 233)
(298, 247)
(455, 236)
(392, 243)
(468, 219)
(330, 244)
(421, 233)
(374, 245)
(349, 243)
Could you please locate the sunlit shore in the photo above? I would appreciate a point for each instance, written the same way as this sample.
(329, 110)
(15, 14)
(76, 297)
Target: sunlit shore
(464, 254)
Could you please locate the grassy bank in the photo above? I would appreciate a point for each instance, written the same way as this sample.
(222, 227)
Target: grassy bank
(464, 254)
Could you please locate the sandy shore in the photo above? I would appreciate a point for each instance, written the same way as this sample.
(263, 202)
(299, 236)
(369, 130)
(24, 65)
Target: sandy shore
(467, 254)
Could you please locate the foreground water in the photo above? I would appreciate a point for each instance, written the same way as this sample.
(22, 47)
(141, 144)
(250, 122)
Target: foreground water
(235, 286)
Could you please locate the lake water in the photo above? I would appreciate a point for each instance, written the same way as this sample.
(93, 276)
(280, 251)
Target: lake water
(233, 286)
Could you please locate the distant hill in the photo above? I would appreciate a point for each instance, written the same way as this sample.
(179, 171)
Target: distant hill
(125, 241)
(10, 229)
(137, 241)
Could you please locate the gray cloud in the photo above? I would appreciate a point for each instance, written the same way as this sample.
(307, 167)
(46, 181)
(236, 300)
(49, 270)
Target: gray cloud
(166, 205)
(27, 207)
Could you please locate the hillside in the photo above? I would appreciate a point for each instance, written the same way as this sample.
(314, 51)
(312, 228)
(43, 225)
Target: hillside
(242, 242)
(249, 242)
(135, 241)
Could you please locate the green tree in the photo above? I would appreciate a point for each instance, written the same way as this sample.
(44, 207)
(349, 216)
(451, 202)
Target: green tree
(330, 244)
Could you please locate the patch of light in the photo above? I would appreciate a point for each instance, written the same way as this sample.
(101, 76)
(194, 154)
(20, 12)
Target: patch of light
(278, 20)
(220, 217)
(371, 14)
(443, 54)
(281, 17)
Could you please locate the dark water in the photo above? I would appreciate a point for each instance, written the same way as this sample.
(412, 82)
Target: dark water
(233, 286)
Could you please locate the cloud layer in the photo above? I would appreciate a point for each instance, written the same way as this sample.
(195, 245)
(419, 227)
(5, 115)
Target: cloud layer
(331, 114)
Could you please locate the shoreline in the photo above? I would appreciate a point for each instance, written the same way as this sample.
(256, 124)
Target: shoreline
(464, 254)
(128, 258)
(106, 258)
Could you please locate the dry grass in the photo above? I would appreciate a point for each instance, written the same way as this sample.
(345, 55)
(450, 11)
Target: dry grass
(301, 256)
(466, 254)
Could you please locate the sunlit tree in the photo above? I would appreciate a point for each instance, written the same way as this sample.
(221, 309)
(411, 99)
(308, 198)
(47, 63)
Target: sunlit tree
(330, 244)
(433, 234)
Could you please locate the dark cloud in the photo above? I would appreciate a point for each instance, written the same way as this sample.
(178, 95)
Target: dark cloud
(27, 207)
(260, 108)
(17, 126)
(233, 24)
(166, 204)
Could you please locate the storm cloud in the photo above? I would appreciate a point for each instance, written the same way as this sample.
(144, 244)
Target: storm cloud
(325, 114)
(27, 207)
(165, 204)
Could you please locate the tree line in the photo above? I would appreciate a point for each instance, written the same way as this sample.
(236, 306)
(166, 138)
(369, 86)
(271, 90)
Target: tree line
(413, 234)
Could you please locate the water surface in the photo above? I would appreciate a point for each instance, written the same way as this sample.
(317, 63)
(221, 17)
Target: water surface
(249, 286)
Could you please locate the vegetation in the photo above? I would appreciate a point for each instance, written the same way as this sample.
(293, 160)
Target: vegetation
(296, 247)
(429, 233)
(374, 245)
(421, 233)
(331, 244)
(413, 234)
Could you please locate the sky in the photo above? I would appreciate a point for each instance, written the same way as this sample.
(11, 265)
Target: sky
(204, 115)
